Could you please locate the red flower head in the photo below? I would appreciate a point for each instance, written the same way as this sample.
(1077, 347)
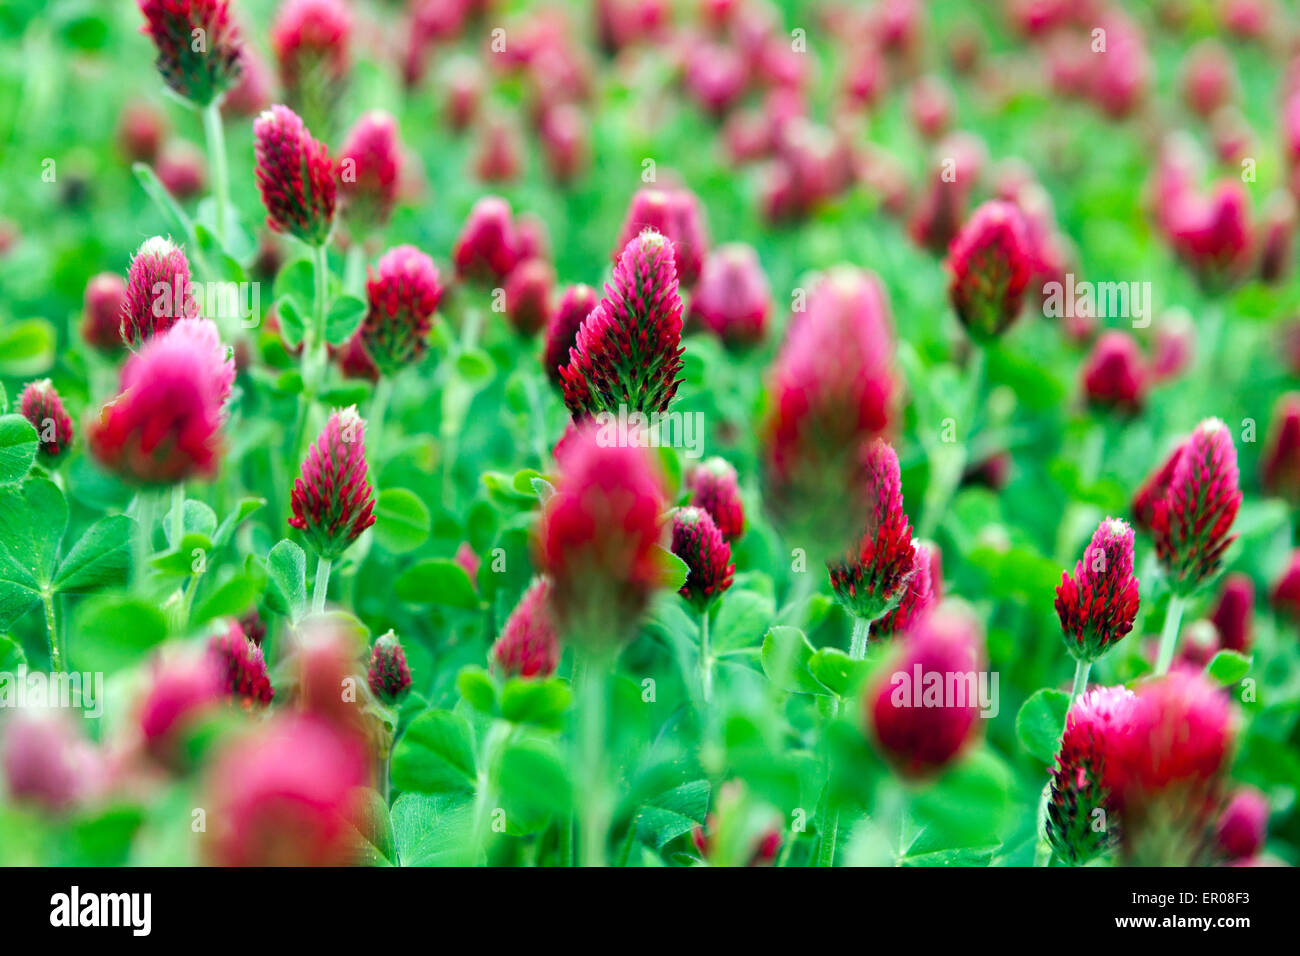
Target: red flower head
(1191, 524)
(528, 296)
(1233, 614)
(242, 667)
(253, 626)
(403, 293)
(699, 543)
(1164, 768)
(181, 169)
(563, 133)
(1214, 235)
(324, 661)
(921, 593)
(252, 93)
(1078, 784)
(369, 169)
(498, 156)
(922, 710)
(1098, 605)
(468, 559)
(388, 675)
(184, 690)
(285, 794)
(332, 500)
(488, 247)
(1285, 595)
(164, 426)
(871, 581)
(1279, 465)
(198, 71)
(1175, 345)
(1121, 73)
(832, 390)
(105, 299)
(158, 291)
(941, 207)
(1209, 78)
(1277, 237)
(599, 537)
(141, 129)
(675, 214)
(310, 39)
(733, 300)
(1115, 375)
(295, 176)
(1242, 825)
(990, 264)
(528, 646)
(1153, 490)
(40, 404)
(628, 351)
(354, 361)
(714, 488)
(576, 304)
(930, 103)
(46, 760)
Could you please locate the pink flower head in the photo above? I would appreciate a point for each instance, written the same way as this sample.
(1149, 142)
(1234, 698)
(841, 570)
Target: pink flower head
(325, 659)
(165, 424)
(1153, 490)
(310, 39)
(915, 721)
(1191, 524)
(403, 294)
(1209, 78)
(466, 557)
(1175, 345)
(285, 794)
(699, 543)
(41, 405)
(528, 296)
(252, 93)
(1120, 74)
(941, 207)
(158, 291)
(930, 103)
(576, 304)
(628, 351)
(253, 626)
(713, 486)
(105, 298)
(1115, 375)
(181, 169)
(870, 581)
(46, 760)
(1285, 595)
(675, 214)
(184, 690)
(332, 500)
(832, 390)
(200, 72)
(563, 133)
(487, 248)
(1098, 605)
(369, 170)
(732, 299)
(528, 646)
(1277, 237)
(354, 361)
(1214, 235)
(1234, 612)
(388, 675)
(1242, 825)
(920, 593)
(600, 536)
(295, 176)
(990, 265)
(1078, 784)
(141, 129)
(498, 158)
(1279, 465)
(245, 679)
(716, 76)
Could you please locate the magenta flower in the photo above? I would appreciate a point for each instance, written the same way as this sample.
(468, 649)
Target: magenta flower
(198, 46)
(628, 351)
(1279, 463)
(332, 500)
(388, 675)
(202, 337)
(1209, 78)
(563, 133)
(369, 171)
(1078, 784)
(403, 293)
(498, 157)
(158, 291)
(47, 762)
(1175, 345)
(242, 667)
(1115, 374)
(528, 646)
(1152, 490)
(732, 299)
(1214, 235)
(699, 543)
(713, 486)
(1285, 594)
(870, 581)
(183, 691)
(311, 41)
(1242, 825)
(488, 247)
(599, 537)
(528, 296)
(1234, 613)
(575, 305)
(295, 176)
(990, 266)
(102, 309)
(1098, 605)
(922, 592)
(252, 92)
(1191, 524)
(41, 405)
(1119, 77)
(674, 214)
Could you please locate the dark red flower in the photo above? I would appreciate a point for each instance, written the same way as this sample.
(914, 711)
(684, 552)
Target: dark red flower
(41, 405)
(253, 626)
(369, 171)
(528, 646)
(1153, 490)
(576, 304)
(732, 299)
(714, 488)
(183, 691)
(332, 501)
(990, 267)
(498, 158)
(158, 291)
(198, 46)
(403, 292)
(1115, 375)
(181, 169)
(1279, 463)
(1285, 595)
(922, 592)
(674, 214)
(105, 298)
(1234, 613)
(311, 41)
(295, 176)
(388, 675)
(1098, 605)
(242, 667)
(1242, 825)
(699, 543)
(1214, 235)
(487, 248)
(141, 130)
(528, 296)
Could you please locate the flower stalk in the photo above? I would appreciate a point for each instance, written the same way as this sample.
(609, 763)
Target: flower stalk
(1169, 633)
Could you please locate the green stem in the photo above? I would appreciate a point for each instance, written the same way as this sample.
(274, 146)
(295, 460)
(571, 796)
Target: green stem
(706, 658)
(378, 409)
(485, 789)
(146, 504)
(215, 136)
(178, 514)
(592, 690)
(947, 464)
(52, 627)
(1169, 635)
(1081, 668)
(861, 631)
(322, 585)
(828, 826)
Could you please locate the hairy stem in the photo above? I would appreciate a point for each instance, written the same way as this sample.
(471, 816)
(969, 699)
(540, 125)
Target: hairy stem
(146, 504)
(861, 631)
(828, 826)
(590, 739)
(378, 409)
(215, 136)
(1169, 634)
(322, 585)
(1081, 668)
(706, 658)
(178, 514)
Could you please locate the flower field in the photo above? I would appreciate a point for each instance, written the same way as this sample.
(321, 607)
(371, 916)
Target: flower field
(649, 433)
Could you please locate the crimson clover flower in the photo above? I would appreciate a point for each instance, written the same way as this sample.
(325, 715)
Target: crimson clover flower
(713, 486)
(403, 293)
(158, 291)
(243, 668)
(528, 646)
(706, 554)
(990, 263)
(575, 305)
(388, 674)
(1097, 606)
(295, 176)
(41, 405)
(332, 500)
(199, 50)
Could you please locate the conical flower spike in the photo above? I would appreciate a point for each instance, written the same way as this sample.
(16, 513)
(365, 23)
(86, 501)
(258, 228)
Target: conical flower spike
(332, 501)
